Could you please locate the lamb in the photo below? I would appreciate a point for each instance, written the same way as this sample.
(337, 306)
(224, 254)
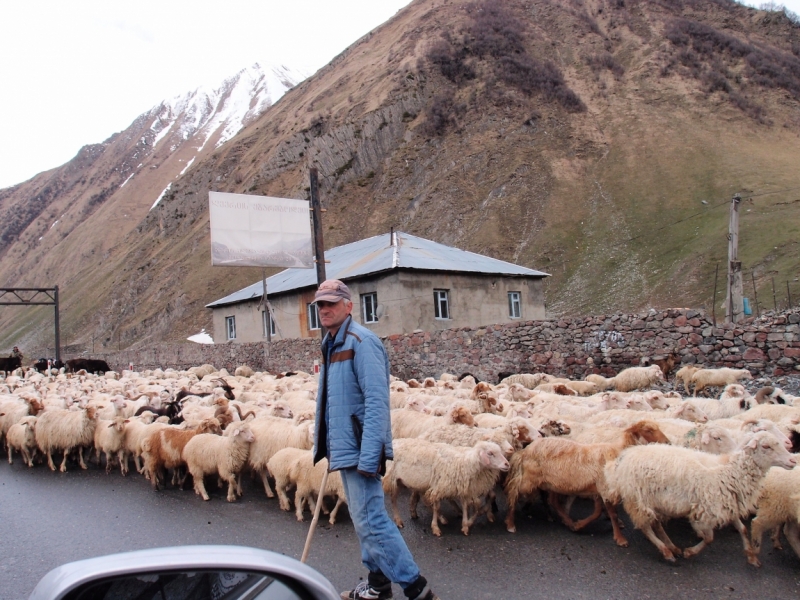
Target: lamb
(565, 467)
(207, 453)
(293, 467)
(163, 449)
(440, 472)
(657, 483)
(529, 380)
(635, 378)
(14, 409)
(703, 378)
(410, 423)
(58, 429)
(273, 434)
(108, 438)
(137, 429)
(778, 504)
(21, 437)
(603, 383)
(684, 375)
(728, 406)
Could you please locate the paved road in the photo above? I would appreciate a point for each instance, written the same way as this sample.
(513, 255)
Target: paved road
(50, 518)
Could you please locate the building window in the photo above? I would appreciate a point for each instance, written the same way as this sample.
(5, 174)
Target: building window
(264, 323)
(230, 327)
(441, 304)
(369, 307)
(514, 305)
(313, 317)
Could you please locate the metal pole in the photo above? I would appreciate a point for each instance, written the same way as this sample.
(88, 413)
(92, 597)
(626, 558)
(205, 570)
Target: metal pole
(58, 325)
(755, 293)
(714, 299)
(774, 299)
(733, 304)
(789, 294)
(266, 307)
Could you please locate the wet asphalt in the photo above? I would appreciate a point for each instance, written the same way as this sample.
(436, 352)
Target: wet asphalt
(47, 519)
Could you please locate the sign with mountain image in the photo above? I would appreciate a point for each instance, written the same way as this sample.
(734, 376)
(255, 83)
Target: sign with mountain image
(259, 231)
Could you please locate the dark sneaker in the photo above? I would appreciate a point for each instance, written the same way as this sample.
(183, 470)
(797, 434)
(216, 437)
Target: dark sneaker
(364, 591)
(426, 594)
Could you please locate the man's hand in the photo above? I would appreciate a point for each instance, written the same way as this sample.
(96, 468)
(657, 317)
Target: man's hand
(365, 474)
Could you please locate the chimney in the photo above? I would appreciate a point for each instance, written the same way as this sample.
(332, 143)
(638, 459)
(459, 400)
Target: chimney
(391, 237)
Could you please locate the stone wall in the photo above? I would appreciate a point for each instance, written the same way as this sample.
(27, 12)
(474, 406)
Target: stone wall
(572, 347)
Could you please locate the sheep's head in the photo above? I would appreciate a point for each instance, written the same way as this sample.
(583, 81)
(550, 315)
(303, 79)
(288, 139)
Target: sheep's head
(461, 414)
(491, 456)
(480, 388)
(563, 390)
(429, 382)
(647, 432)
(554, 428)
(413, 383)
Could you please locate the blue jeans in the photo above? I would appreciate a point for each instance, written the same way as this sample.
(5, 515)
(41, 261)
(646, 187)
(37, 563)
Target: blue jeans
(382, 547)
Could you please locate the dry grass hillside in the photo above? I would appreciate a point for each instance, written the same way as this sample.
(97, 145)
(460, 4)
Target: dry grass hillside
(597, 140)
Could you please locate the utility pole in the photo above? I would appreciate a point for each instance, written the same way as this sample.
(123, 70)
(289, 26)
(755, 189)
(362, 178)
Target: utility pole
(316, 221)
(733, 304)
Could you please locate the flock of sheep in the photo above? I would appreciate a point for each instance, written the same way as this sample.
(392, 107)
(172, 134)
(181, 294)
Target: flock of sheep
(619, 441)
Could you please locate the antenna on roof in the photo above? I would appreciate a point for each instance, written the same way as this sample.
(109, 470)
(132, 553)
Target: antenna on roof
(391, 236)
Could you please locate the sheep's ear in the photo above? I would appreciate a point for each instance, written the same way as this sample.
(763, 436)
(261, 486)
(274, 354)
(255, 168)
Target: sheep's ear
(236, 432)
(127, 421)
(753, 443)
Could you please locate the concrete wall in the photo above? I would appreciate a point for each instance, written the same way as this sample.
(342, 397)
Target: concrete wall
(406, 303)
(570, 347)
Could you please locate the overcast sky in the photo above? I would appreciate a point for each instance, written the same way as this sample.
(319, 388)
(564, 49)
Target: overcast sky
(74, 72)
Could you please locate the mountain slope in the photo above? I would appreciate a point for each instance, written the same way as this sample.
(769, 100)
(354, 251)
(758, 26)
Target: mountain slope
(596, 140)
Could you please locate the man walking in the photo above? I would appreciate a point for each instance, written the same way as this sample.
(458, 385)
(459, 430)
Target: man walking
(354, 431)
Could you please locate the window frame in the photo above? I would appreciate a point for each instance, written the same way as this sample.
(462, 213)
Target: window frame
(514, 298)
(230, 327)
(272, 326)
(440, 295)
(311, 321)
(373, 297)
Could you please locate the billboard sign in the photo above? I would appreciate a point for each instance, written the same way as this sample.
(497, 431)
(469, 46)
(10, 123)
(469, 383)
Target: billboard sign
(259, 231)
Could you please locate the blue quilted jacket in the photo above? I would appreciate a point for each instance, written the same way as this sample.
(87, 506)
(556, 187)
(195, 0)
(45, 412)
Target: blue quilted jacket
(353, 397)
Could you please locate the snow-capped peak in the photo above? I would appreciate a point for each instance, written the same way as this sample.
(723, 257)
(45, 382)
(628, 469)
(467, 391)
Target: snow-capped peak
(225, 109)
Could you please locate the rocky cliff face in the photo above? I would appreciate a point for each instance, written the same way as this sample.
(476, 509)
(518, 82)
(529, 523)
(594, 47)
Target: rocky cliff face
(596, 140)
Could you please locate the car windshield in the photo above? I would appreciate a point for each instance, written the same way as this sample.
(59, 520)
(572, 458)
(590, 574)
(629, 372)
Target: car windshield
(187, 585)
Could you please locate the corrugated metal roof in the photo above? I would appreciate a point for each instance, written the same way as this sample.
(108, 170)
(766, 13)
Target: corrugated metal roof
(377, 254)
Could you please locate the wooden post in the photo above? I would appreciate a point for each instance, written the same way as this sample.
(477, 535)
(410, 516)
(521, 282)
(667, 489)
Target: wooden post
(714, 299)
(733, 305)
(57, 324)
(316, 220)
(774, 299)
(788, 294)
(755, 293)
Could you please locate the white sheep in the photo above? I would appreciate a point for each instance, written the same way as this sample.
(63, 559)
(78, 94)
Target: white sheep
(684, 375)
(408, 423)
(207, 453)
(635, 378)
(703, 378)
(21, 437)
(292, 467)
(440, 472)
(778, 505)
(58, 429)
(656, 483)
(271, 435)
(108, 438)
(529, 380)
